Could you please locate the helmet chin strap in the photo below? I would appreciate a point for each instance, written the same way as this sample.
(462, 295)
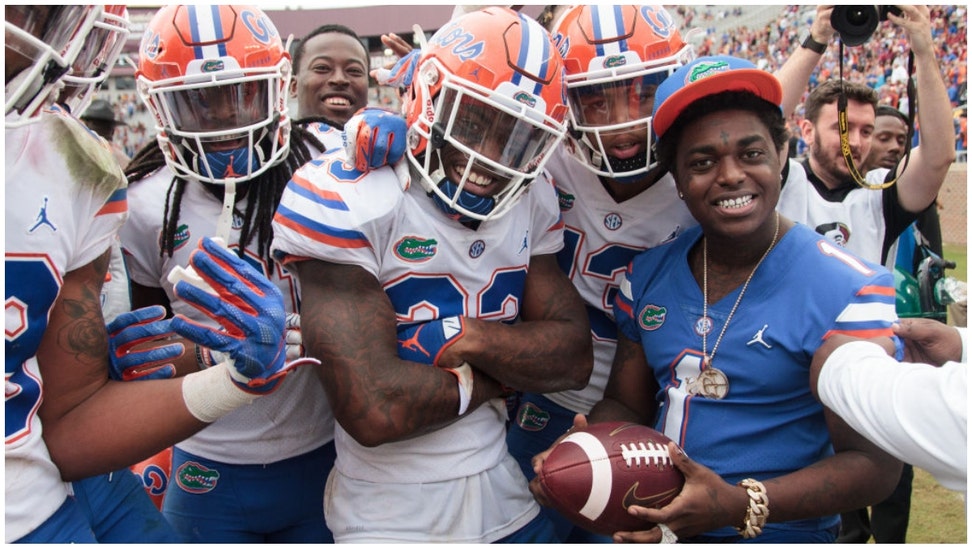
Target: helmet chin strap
(225, 221)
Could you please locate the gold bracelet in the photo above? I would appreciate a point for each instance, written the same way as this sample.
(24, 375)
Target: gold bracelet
(758, 510)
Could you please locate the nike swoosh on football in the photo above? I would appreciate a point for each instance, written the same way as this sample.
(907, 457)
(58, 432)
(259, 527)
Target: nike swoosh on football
(631, 498)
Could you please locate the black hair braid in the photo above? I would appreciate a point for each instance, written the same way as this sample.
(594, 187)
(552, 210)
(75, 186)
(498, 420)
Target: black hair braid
(147, 160)
(170, 222)
(265, 190)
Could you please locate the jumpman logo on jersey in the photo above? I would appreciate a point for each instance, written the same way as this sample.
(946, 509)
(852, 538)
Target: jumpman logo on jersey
(525, 243)
(42, 219)
(413, 343)
(758, 337)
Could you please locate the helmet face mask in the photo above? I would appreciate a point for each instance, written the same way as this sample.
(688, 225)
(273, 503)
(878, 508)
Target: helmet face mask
(101, 49)
(482, 123)
(220, 104)
(615, 57)
(44, 41)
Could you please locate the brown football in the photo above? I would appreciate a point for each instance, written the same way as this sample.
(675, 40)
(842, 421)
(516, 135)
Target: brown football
(593, 475)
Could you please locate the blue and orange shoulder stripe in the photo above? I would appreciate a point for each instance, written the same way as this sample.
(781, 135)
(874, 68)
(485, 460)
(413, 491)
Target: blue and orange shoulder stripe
(312, 228)
(117, 203)
(869, 315)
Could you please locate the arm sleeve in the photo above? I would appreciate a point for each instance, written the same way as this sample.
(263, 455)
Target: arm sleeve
(913, 411)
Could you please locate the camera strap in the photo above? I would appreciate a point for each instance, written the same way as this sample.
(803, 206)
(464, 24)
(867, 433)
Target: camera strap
(845, 148)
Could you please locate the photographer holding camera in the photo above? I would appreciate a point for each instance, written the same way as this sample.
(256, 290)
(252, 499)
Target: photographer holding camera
(866, 218)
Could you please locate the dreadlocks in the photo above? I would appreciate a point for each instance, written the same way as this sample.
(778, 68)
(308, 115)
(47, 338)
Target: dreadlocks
(264, 191)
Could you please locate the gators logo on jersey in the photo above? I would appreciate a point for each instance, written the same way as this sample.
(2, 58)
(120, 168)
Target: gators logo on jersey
(196, 478)
(180, 239)
(415, 249)
(531, 417)
(652, 317)
(565, 199)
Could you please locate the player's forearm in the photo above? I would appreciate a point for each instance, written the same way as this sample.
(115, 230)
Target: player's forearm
(378, 405)
(534, 356)
(118, 426)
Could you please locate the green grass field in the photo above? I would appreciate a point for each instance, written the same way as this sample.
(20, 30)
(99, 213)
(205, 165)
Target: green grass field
(937, 515)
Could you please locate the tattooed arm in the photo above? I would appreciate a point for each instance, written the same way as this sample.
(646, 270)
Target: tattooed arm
(349, 324)
(93, 425)
(549, 350)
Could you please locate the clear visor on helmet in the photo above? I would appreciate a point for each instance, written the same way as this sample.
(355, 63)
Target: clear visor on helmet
(494, 134)
(619, 102)
(220, 108)
(53, 26)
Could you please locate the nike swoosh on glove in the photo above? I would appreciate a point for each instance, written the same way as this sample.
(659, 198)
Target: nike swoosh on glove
(250, 311)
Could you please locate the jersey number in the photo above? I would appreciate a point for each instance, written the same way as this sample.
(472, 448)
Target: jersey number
(32, 285)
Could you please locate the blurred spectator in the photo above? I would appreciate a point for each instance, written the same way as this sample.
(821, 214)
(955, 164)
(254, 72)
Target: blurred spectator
(100, 118)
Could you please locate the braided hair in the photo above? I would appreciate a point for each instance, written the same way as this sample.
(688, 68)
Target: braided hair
(264, 190)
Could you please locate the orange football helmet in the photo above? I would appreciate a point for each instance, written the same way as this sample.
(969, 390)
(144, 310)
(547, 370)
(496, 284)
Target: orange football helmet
(216, 79)
(98, 55)
(489, 84)
(42, 42)
(615, 57)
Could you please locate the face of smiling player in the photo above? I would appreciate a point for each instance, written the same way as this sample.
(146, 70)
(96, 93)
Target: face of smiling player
(332, 80)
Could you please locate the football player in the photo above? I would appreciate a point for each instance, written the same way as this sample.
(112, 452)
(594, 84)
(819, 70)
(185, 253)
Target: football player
(217, 79)
(433, 296)
(65, 200)
(615, 202)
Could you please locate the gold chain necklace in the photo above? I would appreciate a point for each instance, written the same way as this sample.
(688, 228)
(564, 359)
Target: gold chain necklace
(706, 357)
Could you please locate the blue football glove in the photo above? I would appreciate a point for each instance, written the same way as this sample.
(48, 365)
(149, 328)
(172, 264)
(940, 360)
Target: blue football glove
(250, 310)
(374, 137)
(401, 73)
(134, 328)
(425, 342)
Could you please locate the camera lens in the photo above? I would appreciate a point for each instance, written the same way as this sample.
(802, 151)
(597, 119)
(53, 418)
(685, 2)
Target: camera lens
(856, 16)
(854, 24)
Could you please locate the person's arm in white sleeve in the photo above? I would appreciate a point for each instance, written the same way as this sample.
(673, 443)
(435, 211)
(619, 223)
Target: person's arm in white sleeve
(913, 411)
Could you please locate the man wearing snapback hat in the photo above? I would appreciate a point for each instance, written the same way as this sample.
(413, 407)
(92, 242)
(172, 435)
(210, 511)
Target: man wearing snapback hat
(704, 354)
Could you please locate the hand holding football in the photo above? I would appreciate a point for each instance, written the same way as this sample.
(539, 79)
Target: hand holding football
(594, 474)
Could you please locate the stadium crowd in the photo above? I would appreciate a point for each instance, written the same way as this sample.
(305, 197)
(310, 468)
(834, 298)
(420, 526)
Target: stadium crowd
(881, 64)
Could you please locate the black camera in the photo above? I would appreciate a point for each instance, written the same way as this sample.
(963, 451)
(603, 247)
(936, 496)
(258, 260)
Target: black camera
(856, 24)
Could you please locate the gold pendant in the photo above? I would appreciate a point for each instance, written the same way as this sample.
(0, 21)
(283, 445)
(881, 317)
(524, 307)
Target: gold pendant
(712, 383)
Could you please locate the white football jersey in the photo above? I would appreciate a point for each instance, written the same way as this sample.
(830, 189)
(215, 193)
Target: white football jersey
(291, 421)
(65, 200)
(601, 237)
(430, 266)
